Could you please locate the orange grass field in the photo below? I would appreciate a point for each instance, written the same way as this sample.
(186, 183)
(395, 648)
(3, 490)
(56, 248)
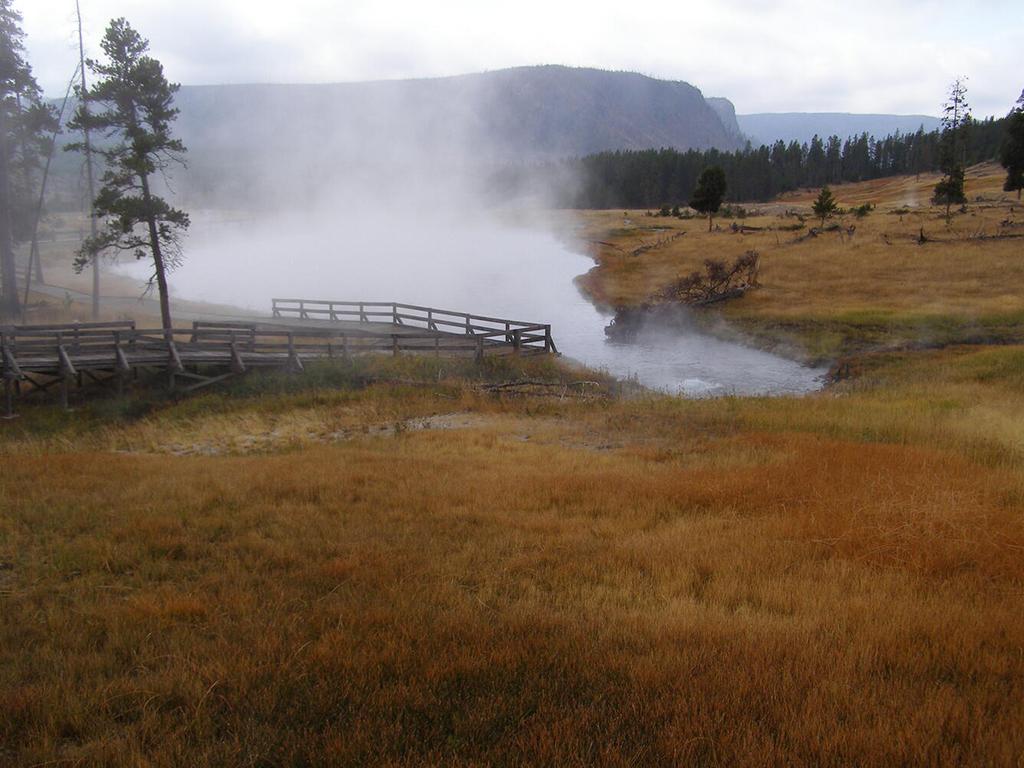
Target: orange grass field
(386, 563)
(546, 580)
(837, 293)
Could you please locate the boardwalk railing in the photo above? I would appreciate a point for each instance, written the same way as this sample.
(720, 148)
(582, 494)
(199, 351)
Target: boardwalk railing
(48, 355)
(519, 333)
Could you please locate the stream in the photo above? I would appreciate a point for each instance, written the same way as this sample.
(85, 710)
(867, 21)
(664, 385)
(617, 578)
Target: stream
(480, 267)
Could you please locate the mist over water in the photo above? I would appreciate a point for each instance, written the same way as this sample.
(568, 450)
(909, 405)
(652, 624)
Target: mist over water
(365, 204)
(473, 263)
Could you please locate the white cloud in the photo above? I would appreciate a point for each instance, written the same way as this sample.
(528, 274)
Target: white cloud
(789, 55)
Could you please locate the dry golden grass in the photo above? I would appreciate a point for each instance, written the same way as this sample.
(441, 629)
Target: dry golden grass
(554, 580)
(319, 570)
(836, 292)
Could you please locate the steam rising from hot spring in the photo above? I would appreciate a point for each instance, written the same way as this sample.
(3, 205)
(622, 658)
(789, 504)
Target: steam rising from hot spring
(390, 216)
(360, 253)
(479, 264)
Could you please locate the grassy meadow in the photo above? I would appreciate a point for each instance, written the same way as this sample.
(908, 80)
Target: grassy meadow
(421, 562)
(837, 293)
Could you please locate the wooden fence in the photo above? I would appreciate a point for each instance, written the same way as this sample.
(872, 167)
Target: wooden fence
(518, 333)
(41, 356)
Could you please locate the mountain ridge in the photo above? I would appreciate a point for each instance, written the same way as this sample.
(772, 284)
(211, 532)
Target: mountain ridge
(531, 112)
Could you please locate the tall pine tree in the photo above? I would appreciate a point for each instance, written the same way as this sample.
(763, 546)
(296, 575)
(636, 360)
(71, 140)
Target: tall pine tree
(1011, 154)
(133, 104)
(25, 125)
(956, 118)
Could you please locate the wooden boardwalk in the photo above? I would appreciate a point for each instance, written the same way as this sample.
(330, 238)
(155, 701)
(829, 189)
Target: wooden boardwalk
(39, 357)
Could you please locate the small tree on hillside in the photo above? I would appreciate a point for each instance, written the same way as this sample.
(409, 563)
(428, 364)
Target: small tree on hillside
(825, 205)
(956, 117)
(136, 108)
(1011, 154)
(710, 192)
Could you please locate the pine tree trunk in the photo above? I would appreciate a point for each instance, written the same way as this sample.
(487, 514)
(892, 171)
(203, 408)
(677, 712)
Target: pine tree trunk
(37, 264)
(88, 169)
(9, 304)
(33, 253)
(158, 257)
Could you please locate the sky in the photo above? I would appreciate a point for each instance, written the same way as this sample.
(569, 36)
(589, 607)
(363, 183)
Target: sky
(765, 55)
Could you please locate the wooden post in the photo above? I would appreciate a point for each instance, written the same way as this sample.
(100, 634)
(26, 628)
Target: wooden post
(67, 372)
(517, 341)
(344, 346)
(469, 328)
(9, 396)
(237, 366)
(294, 361)
(120, 363)
(479, 349)
(394, 314)
(549, 343)
(362, 313)
(394, 344)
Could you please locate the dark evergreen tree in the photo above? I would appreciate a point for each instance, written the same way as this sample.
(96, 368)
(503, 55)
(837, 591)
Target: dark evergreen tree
(710, 192)
(651, 178)
(956, 118)
(25, 127)
(815, 172)
(1011, 154)
(834, 160)
(136, 108)
(824, 205)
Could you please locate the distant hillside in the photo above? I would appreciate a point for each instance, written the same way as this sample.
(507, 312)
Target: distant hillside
(769, 127)
(245, 139)
(548, 111)
(727, 114)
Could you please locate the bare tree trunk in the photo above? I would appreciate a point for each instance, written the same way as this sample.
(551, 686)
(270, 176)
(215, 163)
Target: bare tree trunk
(88, 171)
(710, 215)
(158, 256)
(33, 252)
(9, 304)
(37, 265)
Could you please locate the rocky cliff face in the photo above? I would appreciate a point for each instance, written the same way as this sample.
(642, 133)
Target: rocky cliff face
(727, 114)
(548, 111)
(244, 139)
